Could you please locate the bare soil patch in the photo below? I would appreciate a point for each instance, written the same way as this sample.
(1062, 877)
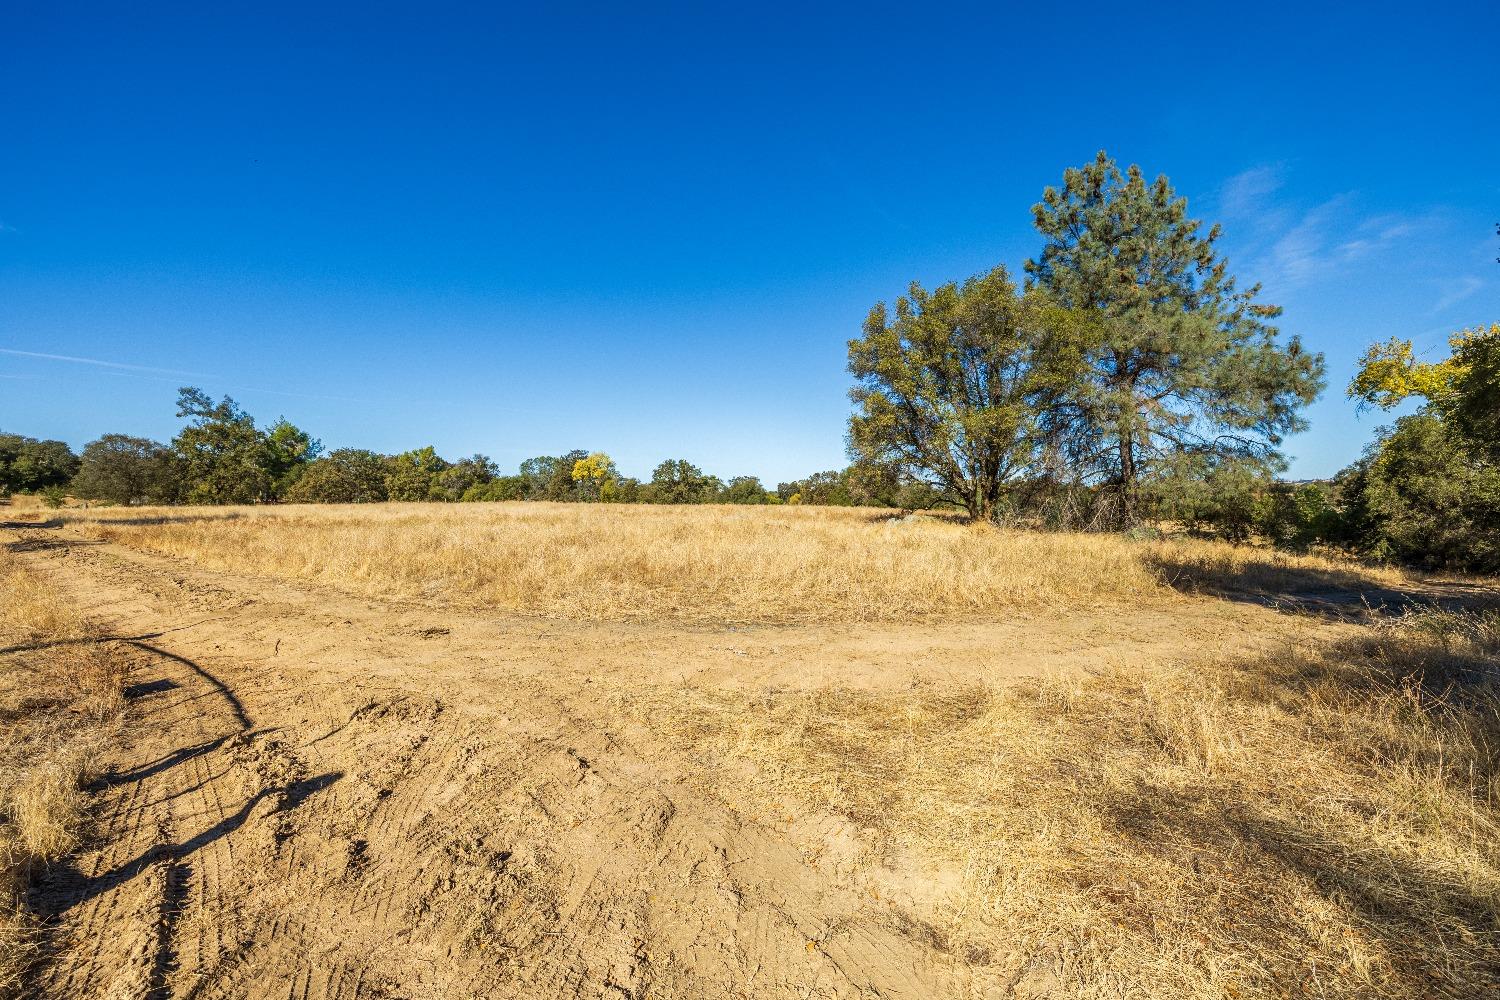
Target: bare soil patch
(327, 792)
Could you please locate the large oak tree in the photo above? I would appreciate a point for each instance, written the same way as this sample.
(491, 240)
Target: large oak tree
(953, 386)
(126, 470)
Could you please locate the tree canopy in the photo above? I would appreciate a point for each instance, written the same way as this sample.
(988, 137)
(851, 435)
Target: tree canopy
(289, 449)
(952, 386)
(455, 481)
(745, 490)
(222, 452)
(410, 475)
(1177, 358)
(126, 470)
(680, 481)
(550, 477)
(592, 474)
(1428, 490)
(347, 475)
(1419, 496)
(224, 458)
(27, 464)
(1464, 388)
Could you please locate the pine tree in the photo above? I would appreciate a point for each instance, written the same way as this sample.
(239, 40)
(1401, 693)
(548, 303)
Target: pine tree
(1178, 360)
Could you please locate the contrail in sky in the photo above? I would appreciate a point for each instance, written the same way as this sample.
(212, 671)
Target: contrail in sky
(152, 372)
(98, 363)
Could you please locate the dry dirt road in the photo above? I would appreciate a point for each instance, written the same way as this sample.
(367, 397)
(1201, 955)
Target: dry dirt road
(323, 797)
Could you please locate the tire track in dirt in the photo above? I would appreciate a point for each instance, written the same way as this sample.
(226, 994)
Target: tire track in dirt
(353, 810)
(138, 881)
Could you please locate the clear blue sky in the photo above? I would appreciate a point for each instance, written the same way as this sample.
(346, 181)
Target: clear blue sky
(652, 230)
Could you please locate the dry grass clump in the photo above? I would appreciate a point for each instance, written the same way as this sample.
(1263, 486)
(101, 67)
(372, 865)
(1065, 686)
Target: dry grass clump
(1325, 822)
(706, 564)
(60, 698)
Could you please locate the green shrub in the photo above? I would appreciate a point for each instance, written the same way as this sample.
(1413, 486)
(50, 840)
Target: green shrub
(348, 475)
(743, 489)
(1421, 495)
(1297, 516)
(497, 489)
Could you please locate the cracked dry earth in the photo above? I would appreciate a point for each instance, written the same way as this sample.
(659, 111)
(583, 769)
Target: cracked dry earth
(322, 797)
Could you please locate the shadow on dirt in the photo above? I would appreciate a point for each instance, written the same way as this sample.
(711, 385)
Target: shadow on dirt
(144, 688)
(235, 705)
(1333, 594)
(144, 521)
(46, 543)
(165, 763)
(1222, 839)
(66, 887)
(1429, 906)
(53, 522)
(31, 647)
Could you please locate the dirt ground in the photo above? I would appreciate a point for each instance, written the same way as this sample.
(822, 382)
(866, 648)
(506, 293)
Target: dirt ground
(324, 797)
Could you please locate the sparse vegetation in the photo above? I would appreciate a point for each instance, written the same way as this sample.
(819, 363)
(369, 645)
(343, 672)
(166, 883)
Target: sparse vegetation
(1193, 819)
(1328, 814)
(695, 563)
(60, 702)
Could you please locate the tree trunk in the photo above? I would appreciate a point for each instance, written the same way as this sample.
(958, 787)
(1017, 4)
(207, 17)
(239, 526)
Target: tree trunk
(1127, 479)
(980, 502)
(979, 507)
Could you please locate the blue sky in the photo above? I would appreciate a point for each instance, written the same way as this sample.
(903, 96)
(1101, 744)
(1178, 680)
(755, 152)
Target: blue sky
(652, 230)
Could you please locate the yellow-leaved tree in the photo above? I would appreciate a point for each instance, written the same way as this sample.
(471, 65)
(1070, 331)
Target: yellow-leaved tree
(1463, 388)
(593, 474)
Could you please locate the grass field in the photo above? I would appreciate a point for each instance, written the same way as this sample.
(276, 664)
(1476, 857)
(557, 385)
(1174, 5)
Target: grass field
(859, 753)
(704, 564)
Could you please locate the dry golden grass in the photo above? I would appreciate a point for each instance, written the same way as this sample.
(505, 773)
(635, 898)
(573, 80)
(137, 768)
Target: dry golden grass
(60, 698)
(1325, 822)
(697, 564)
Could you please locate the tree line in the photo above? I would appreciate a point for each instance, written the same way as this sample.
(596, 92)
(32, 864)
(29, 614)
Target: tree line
(221, 456)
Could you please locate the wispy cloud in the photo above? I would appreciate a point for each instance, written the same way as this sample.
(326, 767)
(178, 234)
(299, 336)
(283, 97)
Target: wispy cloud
(1294, 244)
(1373, 235)
(245, 388)
(1330, 237)
(1247, 195)
(1303, 250)
(1454, 292)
